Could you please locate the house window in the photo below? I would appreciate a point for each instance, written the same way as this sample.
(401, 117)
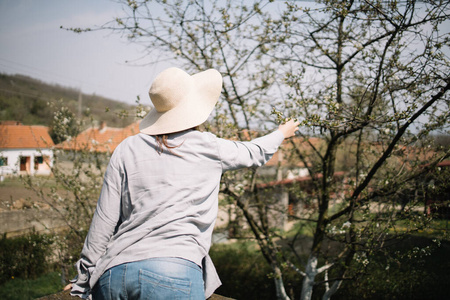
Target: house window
(38, 160)
(3, 161)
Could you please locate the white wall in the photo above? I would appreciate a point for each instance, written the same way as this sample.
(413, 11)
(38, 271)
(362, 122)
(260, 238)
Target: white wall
(13, 157)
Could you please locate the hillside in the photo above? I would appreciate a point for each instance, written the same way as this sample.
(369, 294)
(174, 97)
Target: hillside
(34, 102)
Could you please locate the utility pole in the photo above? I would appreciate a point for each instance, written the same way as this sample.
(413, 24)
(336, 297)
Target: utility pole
(80, 101)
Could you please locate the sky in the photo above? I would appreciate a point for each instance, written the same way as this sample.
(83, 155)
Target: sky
(32, 43)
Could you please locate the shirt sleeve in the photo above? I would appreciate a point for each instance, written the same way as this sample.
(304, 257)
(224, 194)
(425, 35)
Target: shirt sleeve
(236, 155)
(103, 225)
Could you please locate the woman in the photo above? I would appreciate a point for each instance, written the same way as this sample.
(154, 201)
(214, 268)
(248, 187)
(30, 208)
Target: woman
(151, 232)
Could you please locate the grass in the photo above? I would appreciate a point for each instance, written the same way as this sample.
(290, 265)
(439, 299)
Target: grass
(11, 182)
(26, 289)
(15, 181)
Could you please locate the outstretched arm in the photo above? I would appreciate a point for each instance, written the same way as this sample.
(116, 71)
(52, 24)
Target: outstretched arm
(236, 155)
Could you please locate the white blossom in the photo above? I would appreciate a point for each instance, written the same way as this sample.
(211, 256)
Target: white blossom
(346, 224)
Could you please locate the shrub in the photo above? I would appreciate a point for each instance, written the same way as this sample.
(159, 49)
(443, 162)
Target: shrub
(25, 257)
(245, 274)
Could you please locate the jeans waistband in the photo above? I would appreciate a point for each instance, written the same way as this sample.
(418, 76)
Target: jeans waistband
(177, 260)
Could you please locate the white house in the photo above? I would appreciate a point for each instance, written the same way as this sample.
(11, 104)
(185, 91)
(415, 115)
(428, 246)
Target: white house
(25, 149)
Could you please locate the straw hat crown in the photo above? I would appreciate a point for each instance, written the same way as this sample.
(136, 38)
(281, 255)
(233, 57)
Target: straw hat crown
(181, 101)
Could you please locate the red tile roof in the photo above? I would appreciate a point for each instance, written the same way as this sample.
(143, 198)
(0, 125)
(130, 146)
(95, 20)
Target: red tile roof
(100, 139)
(14, 135)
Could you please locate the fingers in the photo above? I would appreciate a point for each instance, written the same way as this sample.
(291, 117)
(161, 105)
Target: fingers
(289, 128)
(293, 124)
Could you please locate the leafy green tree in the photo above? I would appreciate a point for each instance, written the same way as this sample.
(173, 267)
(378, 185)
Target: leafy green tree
(372, 76)
(373, 73)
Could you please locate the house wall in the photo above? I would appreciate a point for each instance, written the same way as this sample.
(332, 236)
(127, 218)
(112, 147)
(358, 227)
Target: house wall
(26, 161)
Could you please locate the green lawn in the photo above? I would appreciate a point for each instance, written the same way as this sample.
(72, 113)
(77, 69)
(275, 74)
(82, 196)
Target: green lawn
(26, 289)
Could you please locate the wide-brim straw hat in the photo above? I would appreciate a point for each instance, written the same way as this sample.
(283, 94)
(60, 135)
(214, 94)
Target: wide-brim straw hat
(181, 101)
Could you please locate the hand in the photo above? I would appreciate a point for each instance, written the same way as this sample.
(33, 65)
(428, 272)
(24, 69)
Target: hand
(68, 287)
(289, 128)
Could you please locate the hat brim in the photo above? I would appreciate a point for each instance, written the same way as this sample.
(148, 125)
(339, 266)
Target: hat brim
(192, 111)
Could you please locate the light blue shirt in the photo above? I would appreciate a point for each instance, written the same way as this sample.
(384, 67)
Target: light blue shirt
(163, 204)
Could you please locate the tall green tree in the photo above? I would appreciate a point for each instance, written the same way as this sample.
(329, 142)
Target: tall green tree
(372, 76)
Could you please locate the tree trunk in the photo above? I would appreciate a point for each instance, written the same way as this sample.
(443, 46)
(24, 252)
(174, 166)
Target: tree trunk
(308, 281)
(279, 284)
(330, 292)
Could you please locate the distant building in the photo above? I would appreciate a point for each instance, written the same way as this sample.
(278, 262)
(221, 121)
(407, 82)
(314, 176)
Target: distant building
(100, 138)
(25, 149)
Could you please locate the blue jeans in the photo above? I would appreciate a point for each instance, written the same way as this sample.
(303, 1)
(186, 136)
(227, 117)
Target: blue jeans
(156, 278)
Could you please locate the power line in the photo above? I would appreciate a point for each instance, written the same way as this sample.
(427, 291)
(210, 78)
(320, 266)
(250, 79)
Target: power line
(51, 76)
(35, 69)
(25, 94)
